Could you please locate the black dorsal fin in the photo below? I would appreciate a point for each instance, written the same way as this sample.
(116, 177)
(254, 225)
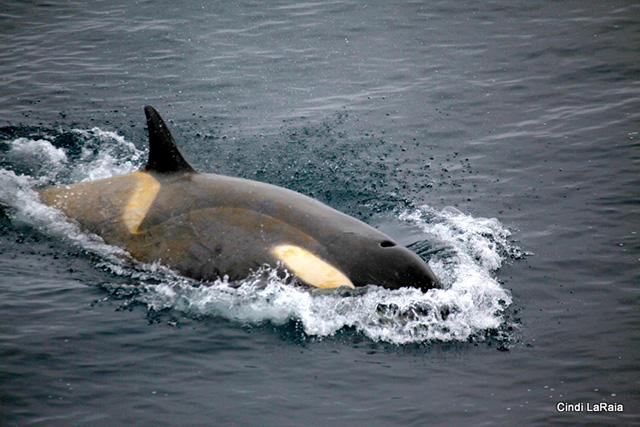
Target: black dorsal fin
(164, 156)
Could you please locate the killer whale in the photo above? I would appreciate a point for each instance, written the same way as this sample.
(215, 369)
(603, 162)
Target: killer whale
(208, 226)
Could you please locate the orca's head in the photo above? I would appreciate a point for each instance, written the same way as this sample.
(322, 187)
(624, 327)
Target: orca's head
(356, 259)
(381, 261)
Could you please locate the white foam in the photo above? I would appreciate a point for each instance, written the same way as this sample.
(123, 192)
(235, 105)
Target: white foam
(38, 155)
(105, 154)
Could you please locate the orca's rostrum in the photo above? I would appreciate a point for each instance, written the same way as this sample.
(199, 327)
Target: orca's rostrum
(207, 226)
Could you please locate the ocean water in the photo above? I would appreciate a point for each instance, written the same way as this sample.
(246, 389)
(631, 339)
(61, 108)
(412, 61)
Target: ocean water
(498, 140)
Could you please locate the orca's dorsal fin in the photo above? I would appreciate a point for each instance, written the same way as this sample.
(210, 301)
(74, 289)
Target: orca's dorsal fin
(164, 156)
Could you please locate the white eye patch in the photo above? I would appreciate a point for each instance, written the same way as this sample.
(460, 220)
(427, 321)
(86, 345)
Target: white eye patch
(310, 268)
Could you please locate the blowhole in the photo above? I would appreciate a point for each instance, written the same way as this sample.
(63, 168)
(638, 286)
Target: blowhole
(387, 244)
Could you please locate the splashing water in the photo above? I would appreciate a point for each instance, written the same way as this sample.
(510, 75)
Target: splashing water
(469, 250)
(107, 153)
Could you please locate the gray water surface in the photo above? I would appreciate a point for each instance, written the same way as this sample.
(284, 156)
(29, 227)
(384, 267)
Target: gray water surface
(523, 116)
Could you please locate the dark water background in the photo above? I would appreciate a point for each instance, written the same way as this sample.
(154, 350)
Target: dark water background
(394, 112)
